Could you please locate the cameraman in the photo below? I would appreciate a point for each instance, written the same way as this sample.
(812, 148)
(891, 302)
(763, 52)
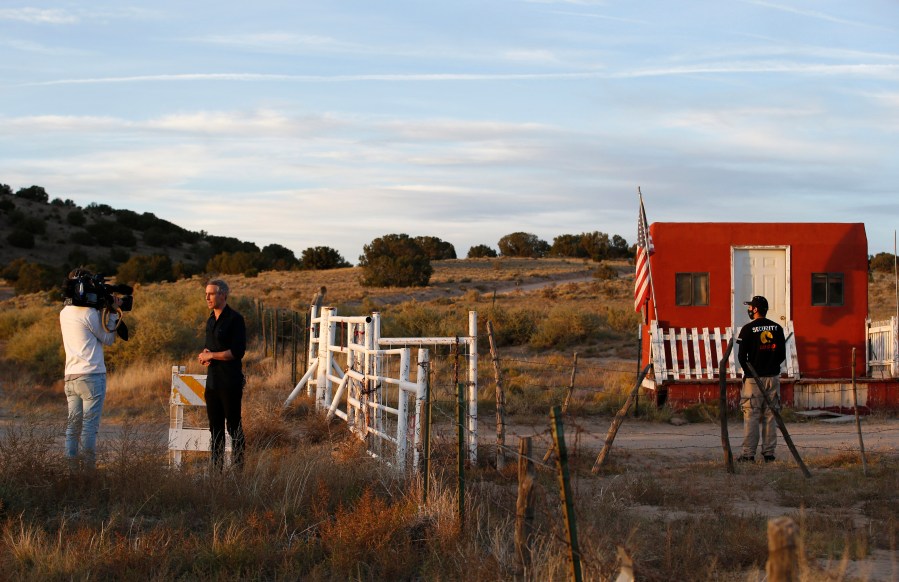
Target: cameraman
(84, 334)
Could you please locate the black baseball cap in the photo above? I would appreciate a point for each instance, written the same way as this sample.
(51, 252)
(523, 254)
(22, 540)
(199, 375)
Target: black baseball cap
(759, 302)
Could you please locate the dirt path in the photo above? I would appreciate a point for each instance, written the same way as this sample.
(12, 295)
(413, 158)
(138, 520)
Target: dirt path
(702, 441)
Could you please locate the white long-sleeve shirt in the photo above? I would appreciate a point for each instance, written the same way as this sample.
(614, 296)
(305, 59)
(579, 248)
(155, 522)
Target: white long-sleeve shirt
(83, 337)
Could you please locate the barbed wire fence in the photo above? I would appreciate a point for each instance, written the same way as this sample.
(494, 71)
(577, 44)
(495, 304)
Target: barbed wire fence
(551, 383)
(575, 392)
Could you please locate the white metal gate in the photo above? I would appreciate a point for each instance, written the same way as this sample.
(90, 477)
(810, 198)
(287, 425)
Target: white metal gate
(374, 381)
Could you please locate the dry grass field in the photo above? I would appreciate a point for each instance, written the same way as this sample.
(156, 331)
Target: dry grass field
(311, 505)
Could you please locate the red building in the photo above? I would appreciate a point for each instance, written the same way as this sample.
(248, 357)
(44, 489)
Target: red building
(815, 277)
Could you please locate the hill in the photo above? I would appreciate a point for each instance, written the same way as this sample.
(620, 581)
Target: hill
(58, 235)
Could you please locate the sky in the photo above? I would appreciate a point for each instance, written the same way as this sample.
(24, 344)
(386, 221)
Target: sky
(333, 123)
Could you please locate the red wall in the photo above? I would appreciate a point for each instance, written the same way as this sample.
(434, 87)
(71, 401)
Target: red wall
(825, 335)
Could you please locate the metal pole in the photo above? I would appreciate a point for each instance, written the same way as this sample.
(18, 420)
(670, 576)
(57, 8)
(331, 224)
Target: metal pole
(858, 421)
(460, 456)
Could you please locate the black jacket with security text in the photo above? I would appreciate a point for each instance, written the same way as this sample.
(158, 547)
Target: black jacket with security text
(763, 345)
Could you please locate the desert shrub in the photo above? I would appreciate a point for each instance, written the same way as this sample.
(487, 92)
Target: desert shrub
(605, 272)
(621, 320)
(884, 262)
(514, 327)
(167, 323)
(33, 193)
(395, 260)
(435, 248)
(34, 277)
(145, 269)
(379, 538)
(14, 320)
(35, 342)
(565, 326)
(22, 239)
(322, 258)
(523, 244)
(82, 237)
(236, 263)
(76, 218)
(481, 251)
(411, 319)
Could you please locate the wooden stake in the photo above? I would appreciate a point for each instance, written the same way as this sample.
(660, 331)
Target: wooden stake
(549, 453)
(525, 508)
(619, 418)
(722, 405)
(500, 402)
(782, 563)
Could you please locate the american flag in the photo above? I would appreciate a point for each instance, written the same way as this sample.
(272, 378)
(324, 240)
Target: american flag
(644, 250)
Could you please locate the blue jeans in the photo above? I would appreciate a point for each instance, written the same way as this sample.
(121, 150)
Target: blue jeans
(85, 396)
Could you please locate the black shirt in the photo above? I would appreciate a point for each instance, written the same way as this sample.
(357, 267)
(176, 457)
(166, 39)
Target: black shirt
(762, 344)
(228, 332)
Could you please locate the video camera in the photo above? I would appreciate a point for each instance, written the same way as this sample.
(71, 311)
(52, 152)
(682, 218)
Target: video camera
(86, 290)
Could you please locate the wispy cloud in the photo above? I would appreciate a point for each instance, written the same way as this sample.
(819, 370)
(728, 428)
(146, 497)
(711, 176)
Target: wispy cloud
(256, 77)
(38, 15)
(814, 14)
(277, 42)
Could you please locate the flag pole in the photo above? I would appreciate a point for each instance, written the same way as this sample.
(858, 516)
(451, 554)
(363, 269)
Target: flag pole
(652, 288)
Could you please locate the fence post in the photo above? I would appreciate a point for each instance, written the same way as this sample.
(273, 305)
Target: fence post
(524, 507)
(473, 386)
(858, 422)
(574, 552)
(549, 453)
(294, 317)
(500, 402)
(782, 563)
(616, 422)
(424, 418)
(460, 466)
(722, 405)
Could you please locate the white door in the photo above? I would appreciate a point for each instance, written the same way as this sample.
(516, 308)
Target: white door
(761, 272)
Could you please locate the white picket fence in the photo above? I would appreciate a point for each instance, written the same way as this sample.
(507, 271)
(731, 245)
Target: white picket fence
(695, 354)
(883, 348)
(374, 381)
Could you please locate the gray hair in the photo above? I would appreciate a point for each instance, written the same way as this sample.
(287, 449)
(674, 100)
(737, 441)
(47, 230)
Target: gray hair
(223, 287)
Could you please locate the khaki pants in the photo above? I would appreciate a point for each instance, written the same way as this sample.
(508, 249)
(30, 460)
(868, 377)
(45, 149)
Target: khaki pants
(755, 412)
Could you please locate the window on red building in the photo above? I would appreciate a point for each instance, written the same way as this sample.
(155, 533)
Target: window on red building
(827, 288)
(691, 289)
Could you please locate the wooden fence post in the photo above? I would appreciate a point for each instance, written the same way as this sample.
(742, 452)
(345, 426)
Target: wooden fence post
(858, 422)
(524, 507)
(500, 402)
(566, 403)
(574, 551)
(722, 405)
(619, 418)
(782, 563)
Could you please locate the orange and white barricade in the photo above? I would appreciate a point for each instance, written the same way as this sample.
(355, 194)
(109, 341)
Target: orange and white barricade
(188, 390)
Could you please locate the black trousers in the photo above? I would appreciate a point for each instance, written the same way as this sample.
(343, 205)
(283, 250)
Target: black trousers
(223, 408)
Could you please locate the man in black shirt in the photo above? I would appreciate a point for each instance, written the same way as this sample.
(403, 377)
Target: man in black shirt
(226, 343)
(761, 344)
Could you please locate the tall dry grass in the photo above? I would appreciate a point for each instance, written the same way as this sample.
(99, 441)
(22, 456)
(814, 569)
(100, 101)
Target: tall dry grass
(310, 504)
